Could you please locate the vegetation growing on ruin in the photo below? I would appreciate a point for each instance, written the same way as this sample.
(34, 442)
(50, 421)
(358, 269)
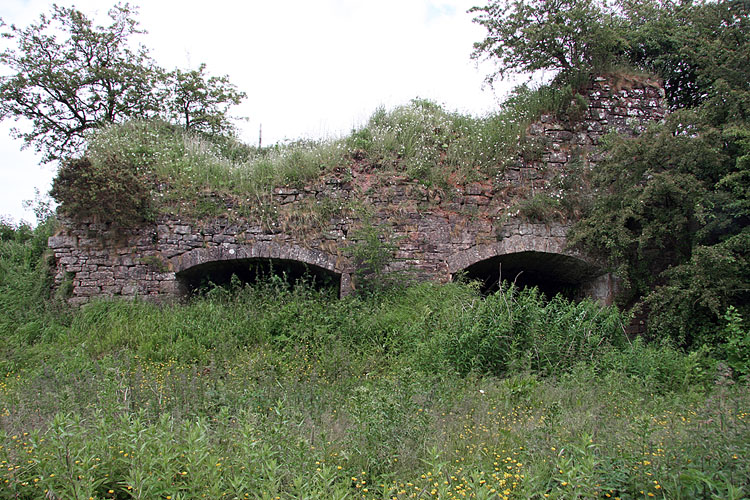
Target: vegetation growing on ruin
(669, 209)
(163, 168)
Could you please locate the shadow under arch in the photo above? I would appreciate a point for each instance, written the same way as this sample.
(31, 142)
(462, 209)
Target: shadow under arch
(197, 267)
(552, 270)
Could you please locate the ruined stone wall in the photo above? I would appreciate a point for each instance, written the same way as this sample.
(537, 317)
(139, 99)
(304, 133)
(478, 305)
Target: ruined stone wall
(146, 262)
(613, 104)
(438, 232)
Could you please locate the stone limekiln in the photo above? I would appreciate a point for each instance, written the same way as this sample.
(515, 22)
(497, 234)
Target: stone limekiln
(470, 230)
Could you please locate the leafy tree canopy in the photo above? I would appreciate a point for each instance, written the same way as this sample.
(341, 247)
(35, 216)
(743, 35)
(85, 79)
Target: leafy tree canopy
(199, 103)
(68, 76)
(672, 206)
(561, 35)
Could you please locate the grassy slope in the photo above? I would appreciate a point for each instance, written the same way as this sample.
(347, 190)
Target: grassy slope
(202, 176)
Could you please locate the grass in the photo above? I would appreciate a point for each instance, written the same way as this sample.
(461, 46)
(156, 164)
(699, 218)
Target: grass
(267, 423)
(206, 176)
(183, 166)
(428, 391)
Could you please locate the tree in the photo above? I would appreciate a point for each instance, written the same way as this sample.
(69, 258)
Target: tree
(671, 211)
(560, 35)
(68, 76)
(67, 87)
(674, 211)
(198, 103)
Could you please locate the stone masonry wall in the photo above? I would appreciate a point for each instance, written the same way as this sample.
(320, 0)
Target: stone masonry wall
(437, 233)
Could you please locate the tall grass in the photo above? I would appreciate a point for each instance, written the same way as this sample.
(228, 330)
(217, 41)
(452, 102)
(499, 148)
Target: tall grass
(420, 140)
(427, 143)
(182, 160)
(27, 312)
(273, 391)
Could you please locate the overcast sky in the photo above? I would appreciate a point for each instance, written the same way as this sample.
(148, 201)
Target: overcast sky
(310, 68)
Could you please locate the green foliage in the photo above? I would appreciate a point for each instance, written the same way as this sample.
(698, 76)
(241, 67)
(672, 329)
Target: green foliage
(153, 166)
(108, 193)
(386, 422)
(206, 175)
(593, 36)
(699, 48)
(271, 391)
(737, 346)
(541, 207)
(568, 36)
(430, 144)
(514, 330)
(671, 218)
(373, 251)
(69, 77)
(25, 284)
(671, 208)
(200, 103)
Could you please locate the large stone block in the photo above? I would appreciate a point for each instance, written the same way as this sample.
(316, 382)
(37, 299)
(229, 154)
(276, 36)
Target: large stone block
(64, 241)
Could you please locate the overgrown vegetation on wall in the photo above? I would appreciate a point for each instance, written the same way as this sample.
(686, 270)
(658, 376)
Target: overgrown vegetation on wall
(671, 206)
(162, 168)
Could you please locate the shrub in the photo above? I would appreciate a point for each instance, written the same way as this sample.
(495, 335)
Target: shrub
(541, 207)
(373, 252)
(25, 284)
(517, 330)
(737, 346)
(115, 192)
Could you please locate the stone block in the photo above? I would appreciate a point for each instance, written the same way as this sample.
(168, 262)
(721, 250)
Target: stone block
(558, 157)
(86, 291)
(168, 287)
(474, 188)
(560, 135)
(223, 238)
(55, 242)
(476, 200)
(66, 261)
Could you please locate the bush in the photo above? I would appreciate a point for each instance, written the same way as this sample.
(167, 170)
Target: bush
(114, 192)
(517, 330)
(373, 252)
(660, 366)
(25, 283)
(737, 347)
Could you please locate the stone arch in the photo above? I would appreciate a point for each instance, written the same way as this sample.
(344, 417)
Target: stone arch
(542, 262)
(191, 265)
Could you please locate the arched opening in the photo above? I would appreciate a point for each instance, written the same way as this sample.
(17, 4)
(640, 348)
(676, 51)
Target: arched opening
(252, 270)
(552, 273)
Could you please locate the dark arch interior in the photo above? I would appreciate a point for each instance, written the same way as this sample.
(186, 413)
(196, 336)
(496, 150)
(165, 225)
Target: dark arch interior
(550, 272)
(251, 271)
